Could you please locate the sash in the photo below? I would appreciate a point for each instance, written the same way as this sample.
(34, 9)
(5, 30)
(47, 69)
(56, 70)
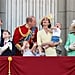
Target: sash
(28, 36)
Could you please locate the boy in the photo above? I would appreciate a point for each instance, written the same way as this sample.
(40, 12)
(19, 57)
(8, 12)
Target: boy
(10, 49)
(56, 30)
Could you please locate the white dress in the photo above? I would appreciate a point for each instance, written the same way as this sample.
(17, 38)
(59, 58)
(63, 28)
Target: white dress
(42, 37)
(27, 53)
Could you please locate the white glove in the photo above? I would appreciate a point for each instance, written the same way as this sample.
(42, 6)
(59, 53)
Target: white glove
(10, 45)
(72, 46)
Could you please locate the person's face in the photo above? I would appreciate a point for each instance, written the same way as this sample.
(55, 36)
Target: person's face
(6, 35)
(45, 23)
(27, 45)
(58, 25)
(33, 23)
(1, 23)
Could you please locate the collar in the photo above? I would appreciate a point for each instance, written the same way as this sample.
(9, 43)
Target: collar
(7, 40)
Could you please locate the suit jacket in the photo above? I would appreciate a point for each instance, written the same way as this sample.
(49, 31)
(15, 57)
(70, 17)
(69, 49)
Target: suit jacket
(17, 36)
(9, 52)
(21, 32)
(1, 43)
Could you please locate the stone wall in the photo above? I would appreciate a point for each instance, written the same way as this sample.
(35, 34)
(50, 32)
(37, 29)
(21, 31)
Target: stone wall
(3, 12)
(63, 10)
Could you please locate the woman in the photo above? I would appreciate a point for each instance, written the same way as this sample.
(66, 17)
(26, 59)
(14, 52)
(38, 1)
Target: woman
(70, 43)
(44, 38)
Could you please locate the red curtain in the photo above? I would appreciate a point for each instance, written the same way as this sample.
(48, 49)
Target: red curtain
(38, 66)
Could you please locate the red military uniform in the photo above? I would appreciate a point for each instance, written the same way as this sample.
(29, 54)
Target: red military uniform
(21, 32)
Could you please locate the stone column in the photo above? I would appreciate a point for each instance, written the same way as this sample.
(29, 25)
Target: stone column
(18, 10)
(3, 12)
(70, 13)
(61, 17)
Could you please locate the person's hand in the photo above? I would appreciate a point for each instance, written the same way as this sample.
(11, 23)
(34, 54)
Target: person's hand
(24, 45)
(35, 44)
(56, 43)
(46, 46)
(10, 45)
(51, 44)
(34, 47)
(22, 48)
(72, 46)
(50, 30)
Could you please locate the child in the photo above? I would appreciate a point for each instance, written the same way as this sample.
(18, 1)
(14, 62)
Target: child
(2, 49)
(56, 33)
(29, 52)
(8, 48)
(26, 50)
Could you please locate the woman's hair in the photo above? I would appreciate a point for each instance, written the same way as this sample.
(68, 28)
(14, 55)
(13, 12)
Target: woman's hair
(49, 26)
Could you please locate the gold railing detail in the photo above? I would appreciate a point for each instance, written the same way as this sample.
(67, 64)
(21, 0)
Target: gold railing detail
(9, 65)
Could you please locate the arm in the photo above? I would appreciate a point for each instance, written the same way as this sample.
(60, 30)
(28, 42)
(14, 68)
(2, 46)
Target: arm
(34, 47)
(67, 44)
(58, 43)
(2, 49)
(16, 39)
(53, 28)
(13, 49)
(50, 44)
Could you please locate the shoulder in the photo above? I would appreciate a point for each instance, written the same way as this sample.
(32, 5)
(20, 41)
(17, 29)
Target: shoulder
(70, 34)
(20, 26)
(40, 31)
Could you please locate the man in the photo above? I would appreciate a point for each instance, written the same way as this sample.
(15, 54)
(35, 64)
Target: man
(1, 33)
(25, 32)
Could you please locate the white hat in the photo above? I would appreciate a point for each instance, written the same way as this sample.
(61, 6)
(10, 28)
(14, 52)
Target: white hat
(72, 27)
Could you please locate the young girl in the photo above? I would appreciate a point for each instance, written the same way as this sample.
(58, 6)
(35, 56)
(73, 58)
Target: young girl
(27, 51)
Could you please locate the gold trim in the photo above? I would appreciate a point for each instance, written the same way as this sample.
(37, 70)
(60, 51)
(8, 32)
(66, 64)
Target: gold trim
(18, 47)
(9, 70)
(24, 35)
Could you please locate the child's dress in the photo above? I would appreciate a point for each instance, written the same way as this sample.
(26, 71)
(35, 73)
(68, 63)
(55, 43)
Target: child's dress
(27, 53)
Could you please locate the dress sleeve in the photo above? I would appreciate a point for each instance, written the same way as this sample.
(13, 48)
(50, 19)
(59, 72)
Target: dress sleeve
(39, 41)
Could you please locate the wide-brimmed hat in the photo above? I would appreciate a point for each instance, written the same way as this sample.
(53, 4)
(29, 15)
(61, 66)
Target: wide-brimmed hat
(50, 17)
(72, 27)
